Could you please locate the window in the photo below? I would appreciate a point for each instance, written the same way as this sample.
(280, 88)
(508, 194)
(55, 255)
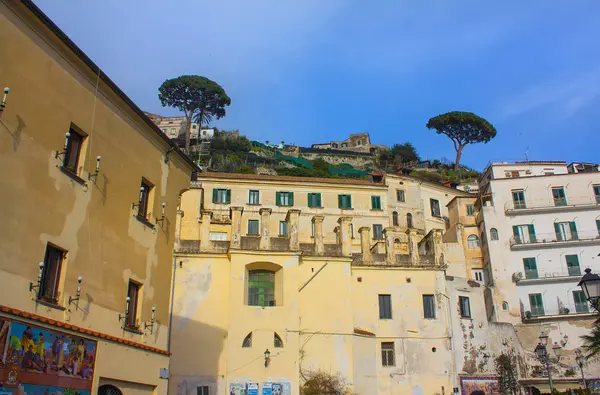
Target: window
(377, 232)
(581, 303)
(409, 220)
(524, 234)
(573, 265)
(395, 219)
(597, 193)
(473, 241)
(435, 208)
(344, 201)
(565, 231)
(530, 267)
(598, 225)
(253, 227)
(558, 194)
(277, 342)
(465, 307)
(494, 234)
(519, 199)
(429, 306)
(53, 261)
(470, 209)
(164, 131)
(514, 174)
(133, 291)
(505, 306)
(387, 354)
(222, 196)
(217, 236)
(351, 230)
(73, 150)
(284, 198)
(173, 132)
(359, 142)
(247, 343)
(202, 390)
(376, 202)
(145, 189)
(253, 197)
(314, 200)
(312, 229)
(400, 195)
(194, 126)
(537, 304)
(385, 307)
(478, 275)
(283, 228)
(261, 288)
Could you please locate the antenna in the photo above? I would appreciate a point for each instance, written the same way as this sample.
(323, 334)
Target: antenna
(527, 154)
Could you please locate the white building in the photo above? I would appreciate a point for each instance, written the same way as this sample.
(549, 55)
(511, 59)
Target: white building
(540, 225)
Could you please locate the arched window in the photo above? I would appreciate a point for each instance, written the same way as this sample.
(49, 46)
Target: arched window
(109, 390)
(397, 241)
(473, 241)
(494, 234)
(277, 342)
(395, 218)
(247, 343)
(505, 306)
(261, 288)
(409, 222)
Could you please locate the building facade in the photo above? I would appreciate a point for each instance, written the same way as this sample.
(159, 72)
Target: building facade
(86, 253)
(174, 127)
(360, 142)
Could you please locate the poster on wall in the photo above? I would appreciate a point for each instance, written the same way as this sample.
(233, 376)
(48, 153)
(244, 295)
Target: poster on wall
(32, 355)
(253, 389)
(489, 385)
(281, 389)
(237, 389)
(267, 389)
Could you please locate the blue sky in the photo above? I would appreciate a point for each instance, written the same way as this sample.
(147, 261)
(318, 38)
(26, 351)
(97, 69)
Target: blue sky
(317, 70)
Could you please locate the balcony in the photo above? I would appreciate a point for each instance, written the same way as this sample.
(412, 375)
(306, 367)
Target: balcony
(550, 205)
(552, 240)
(533, 276)
(564, 311)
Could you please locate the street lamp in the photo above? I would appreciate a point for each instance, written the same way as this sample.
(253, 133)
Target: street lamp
(590, 285)
(580, 359)
(542, 353)
(267, 357)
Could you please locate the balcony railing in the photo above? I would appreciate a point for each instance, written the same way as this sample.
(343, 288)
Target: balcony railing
(569, 310)
(554, 240)
(530, 276)
(550, 204)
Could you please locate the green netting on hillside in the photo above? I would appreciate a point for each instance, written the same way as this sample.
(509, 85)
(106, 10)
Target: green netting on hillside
(346, 170)
(293, 160)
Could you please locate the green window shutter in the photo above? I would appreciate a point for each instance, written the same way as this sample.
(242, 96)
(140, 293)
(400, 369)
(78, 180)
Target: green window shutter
(598, 224)
(531, 229)
(349, 201)
(311, 197)
(373, 202)
(291, 198)
(516, 232)
(215, 193)
(557, 231)
(340, 203)
(573, 227)
(318, 199)
(228, 196)
(278, 198)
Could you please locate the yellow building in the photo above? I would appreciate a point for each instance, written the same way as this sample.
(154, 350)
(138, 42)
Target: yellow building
(88, 195)
(323, 275)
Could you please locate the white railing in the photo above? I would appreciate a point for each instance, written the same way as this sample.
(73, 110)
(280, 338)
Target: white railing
(545, 238)
(568, 202)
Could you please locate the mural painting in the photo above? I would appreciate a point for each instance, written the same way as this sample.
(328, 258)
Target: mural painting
(39, 361)
(489, 385)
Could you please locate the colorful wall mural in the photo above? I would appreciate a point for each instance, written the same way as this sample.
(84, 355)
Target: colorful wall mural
(489, 385)
(40, 361)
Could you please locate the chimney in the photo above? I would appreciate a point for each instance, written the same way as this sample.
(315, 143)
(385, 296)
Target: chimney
(265, 237)
(205, 230)
(365, 244)
(293, 219)
(345, 239)
(236, 227)
(317, 221)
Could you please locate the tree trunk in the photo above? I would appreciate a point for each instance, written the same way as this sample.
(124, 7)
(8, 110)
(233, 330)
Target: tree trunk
(188, 133)
(458, 155)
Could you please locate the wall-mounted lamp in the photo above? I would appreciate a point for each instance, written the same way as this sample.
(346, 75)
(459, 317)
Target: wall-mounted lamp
(151, 324)
(267, 358)
(134, 205)
(64, 151)
(95, 174)
(162, 218)
(78, 294)
(39, 280)
(3, 103)
(123, 317)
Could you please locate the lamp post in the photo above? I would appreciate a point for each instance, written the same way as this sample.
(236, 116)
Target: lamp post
(590, 285)
(267, 358)
(542, 353)
(580, 359)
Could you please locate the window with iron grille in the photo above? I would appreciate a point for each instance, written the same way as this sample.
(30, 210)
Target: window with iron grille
(277, 342)
(261, 288)
(247, 343)
(385, 307)
(388, 354)
(429, 306)
(49, 285)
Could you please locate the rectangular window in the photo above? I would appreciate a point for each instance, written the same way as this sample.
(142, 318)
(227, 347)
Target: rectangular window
(283, 228)
(144, 201)
(203, 390)
(344, 201)
(221, 196)
(465, 307)
(519, 199)
(537, 305)
(194, 126)
(284, 198)
(573, 265)
(429, 306)
(514, 174)
(217, 236)
(312, 229)
(530, 266)
(51, 274)
(581, 303)
(377, 232)
(558, 194)
(253, 197)
(435, 208)
(478, 275)
(565, 231)
(387, 354)
(314, 200)
(253, 227)
(261, 288)
(133, 291)
(597, 193)
(524, 234)
(385, 307)
(598, 225)
(173, 132)
(400, 195)
(470, 209)
(376, 202)
(73, 151)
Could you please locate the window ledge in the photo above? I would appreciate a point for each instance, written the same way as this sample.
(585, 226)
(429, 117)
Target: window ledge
(133, 329)
(315, 206)
(72, 175)
(144, 221)
(53, 305)
(346, 208)
(254, 204)
(376, 209)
